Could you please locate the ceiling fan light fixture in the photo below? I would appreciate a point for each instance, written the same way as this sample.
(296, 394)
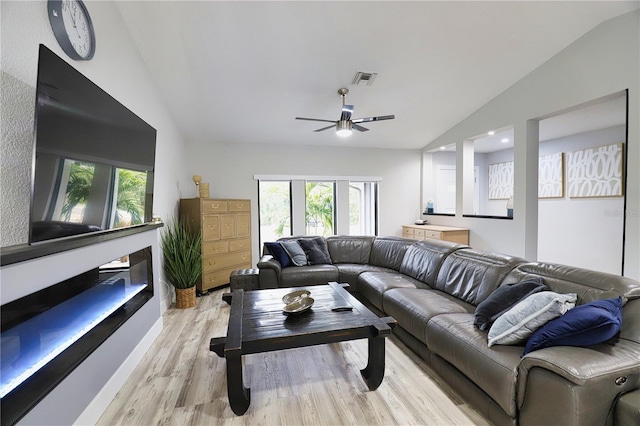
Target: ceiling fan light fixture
(345, 125)
(343, 128)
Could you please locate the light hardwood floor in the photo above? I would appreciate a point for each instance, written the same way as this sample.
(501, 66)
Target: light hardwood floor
(180, 382)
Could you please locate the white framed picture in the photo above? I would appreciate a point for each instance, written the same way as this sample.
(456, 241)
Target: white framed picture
(501, 181)
(595, 172)
(551, 176)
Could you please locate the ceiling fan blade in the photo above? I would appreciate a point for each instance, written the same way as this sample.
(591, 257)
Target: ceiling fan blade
(333, 126)
(359, 128)
(370, 119)
(347, 112)
(315, 119)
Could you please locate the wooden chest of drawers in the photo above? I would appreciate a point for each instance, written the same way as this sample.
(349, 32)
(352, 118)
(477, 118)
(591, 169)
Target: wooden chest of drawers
(226, 237)
(445, 233)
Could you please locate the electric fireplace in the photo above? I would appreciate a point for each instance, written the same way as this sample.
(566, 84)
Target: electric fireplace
(47, 334)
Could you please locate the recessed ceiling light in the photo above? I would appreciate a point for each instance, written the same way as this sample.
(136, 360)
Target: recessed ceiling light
(443, 147)
(491, 133)
(504, 140)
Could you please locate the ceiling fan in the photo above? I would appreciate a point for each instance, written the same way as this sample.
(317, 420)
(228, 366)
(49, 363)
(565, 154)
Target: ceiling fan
(345, 124)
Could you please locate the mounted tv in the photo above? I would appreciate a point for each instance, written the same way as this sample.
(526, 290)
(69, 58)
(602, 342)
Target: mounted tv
(94, 158)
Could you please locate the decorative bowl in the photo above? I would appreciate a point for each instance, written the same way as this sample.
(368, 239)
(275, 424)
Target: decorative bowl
(295, 296)
(300, 305)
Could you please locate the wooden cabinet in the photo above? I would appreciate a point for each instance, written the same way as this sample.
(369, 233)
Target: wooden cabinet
(445, 233)
(226, 237)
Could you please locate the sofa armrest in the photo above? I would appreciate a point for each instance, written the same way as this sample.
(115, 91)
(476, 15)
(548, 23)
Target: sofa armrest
(270, 272)
(576, 384)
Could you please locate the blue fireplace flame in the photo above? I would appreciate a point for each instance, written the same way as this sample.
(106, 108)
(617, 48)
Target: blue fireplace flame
(29, 346)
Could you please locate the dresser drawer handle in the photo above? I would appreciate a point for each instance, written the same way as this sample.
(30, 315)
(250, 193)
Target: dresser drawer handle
(211, 263)
(239, 205)
(227, 226)
(212, 227)
(215, 205)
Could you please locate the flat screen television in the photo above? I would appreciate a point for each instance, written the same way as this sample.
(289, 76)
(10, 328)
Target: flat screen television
(94, 158)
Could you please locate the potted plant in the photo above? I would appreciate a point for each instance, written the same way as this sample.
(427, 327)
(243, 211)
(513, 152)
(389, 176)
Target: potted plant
(181, 245)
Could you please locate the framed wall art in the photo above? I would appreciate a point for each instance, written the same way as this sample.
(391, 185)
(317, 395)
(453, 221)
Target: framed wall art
(551, 176)
(501, 181)
(595, 172)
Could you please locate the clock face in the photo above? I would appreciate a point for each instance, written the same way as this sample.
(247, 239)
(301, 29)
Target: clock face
(72, 27)
(76, 25)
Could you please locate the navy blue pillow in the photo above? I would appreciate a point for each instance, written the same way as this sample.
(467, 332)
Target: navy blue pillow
(585, 325)
(279, 254)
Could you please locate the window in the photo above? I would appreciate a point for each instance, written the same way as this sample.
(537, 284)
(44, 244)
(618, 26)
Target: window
(310, 205)
(319, 208)
(274, 198)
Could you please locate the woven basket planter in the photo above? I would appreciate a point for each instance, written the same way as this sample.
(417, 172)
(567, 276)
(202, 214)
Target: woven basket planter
(185, 297)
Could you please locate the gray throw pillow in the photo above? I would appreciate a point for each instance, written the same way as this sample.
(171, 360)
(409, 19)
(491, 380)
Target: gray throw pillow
(504, 298)
(295, 252)
(316, 250)
(518, 323)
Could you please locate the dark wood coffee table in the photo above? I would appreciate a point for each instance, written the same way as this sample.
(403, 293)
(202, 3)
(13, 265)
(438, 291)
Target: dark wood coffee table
(257, 324)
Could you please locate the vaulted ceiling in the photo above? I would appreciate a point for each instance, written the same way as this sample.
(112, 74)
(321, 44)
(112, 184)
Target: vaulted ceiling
(240, 72)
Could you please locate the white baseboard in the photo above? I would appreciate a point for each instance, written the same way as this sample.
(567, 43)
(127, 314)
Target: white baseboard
(94, 410)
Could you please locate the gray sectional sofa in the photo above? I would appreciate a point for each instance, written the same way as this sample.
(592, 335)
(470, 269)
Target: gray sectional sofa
(432, 289)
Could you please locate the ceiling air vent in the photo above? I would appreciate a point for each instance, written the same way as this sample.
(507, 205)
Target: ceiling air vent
(364, 78)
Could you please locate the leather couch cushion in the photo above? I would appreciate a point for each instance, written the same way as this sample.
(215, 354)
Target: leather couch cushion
(373, 285)
(628, 409)
(388, 252)
(347, 249)
(349, 272)
(414, 307)
(308, 275)
(631, 321)
(495, 370)
(422, 260)
(587, 284)
(472, 275)
(583, 382)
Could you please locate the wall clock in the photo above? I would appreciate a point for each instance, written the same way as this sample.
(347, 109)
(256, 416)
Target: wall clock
(72, 27)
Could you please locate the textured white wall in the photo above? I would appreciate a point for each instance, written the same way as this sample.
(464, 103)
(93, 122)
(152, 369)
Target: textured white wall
(602, 62)
(16, 116)
(118, 69)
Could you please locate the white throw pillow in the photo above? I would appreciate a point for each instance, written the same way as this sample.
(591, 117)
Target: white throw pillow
(518, 323)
